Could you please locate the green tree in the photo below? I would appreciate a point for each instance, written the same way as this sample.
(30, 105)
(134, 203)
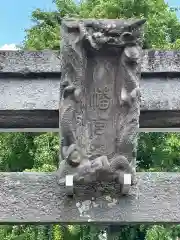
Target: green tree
(45, 34)
(156, 152)
(16, 152)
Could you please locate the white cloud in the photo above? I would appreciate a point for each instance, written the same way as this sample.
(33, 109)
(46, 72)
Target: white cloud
(9, 47)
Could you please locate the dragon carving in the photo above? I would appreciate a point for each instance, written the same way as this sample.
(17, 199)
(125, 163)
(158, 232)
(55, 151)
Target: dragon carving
(83, 40)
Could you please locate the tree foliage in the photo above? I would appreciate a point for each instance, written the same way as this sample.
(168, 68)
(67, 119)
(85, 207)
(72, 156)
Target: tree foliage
(160, 19)
(39, 152)
(156, 152)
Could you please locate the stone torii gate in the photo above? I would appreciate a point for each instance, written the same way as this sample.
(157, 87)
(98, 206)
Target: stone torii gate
(29, 101)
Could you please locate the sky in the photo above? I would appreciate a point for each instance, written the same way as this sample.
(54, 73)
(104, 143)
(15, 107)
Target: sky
(15, 16)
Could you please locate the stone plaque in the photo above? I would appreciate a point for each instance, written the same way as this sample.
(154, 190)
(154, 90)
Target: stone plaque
(99, 99)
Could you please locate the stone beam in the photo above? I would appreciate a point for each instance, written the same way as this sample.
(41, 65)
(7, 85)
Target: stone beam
(37, 198)
(48, 120)
(29, 91)
(50, 61)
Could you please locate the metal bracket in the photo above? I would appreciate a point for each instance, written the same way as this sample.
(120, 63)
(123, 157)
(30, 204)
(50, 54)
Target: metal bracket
(127, 184)
(69, 184)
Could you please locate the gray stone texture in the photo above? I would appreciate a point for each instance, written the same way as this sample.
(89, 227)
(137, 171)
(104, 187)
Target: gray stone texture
(160, 61)
(29, 94)
(36, 197)
(49, 119)
(50, 61)
(158, 91)
(29, 61)
(39, 95)
(33, 94)
(100, 99)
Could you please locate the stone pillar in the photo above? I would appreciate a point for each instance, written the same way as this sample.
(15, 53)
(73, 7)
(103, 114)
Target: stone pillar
(99, 98)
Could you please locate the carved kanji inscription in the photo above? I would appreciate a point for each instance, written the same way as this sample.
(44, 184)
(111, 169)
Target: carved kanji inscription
(100, 98)
(100, 79)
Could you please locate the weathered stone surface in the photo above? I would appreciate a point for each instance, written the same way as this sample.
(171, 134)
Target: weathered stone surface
(34, 120)
(100, 99)
(160, 61)
(50, 61)
(29, 61)
(38, 93)
(43, 94)
(29, 94)
(48, 121)
(36, 197)
(158, 92)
